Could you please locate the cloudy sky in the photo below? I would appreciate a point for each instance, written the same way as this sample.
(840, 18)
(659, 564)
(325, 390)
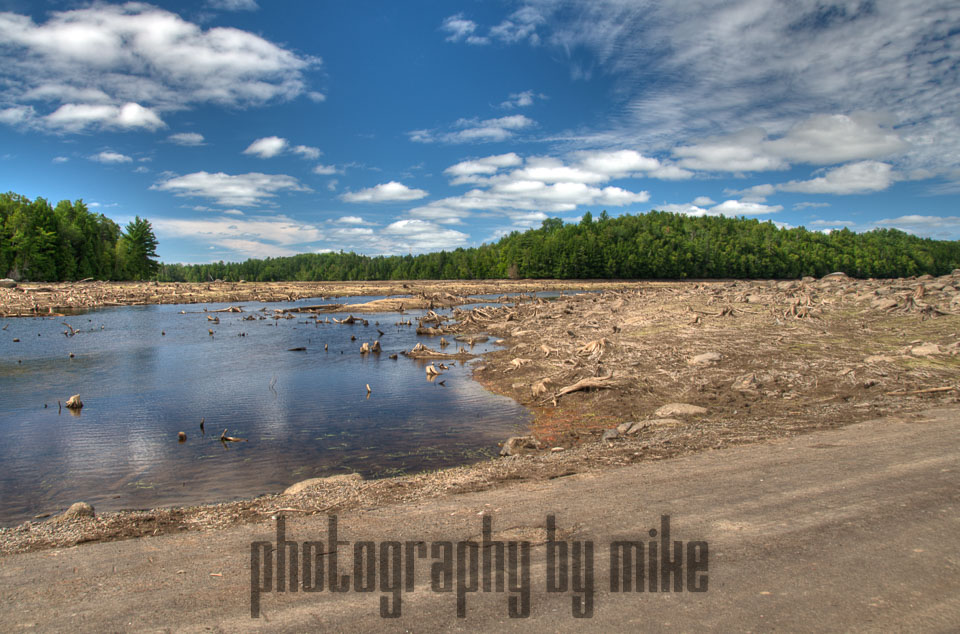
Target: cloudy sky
(247, 128)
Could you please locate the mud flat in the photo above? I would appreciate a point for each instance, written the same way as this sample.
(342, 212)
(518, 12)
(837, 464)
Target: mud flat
(640, 371)
(30, 299)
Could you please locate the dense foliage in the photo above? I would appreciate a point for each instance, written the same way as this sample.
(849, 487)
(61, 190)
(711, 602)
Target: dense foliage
(651, 245)
(67, 242)
(42, 243)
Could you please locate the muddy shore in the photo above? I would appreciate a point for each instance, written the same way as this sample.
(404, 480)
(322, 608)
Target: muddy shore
(749, 361)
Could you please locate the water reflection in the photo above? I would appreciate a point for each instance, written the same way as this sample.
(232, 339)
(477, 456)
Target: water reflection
(305, 414)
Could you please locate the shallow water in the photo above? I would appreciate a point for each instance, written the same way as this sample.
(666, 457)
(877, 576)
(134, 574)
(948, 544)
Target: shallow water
(304, 414)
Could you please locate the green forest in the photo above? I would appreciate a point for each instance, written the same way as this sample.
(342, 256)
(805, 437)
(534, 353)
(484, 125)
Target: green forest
(643, 246)
(42, 243)
(39, 242)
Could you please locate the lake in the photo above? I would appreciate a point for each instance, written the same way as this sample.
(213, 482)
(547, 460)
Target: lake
(304, 414)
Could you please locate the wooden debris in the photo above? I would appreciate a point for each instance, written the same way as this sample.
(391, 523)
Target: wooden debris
(225, 438)
(74, 402)
(589, 383)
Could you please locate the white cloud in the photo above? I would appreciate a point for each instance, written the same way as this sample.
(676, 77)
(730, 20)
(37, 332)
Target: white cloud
(60, 159)
(802, 72)
(703, 201)
(833, 223)
(250, 237)
(316, 97)
(737, 152)
(384, 192)
(352, 220)
(521, 25)
(521, 99)
(809, 205)
(108, 156)
(306, 151)
(460, 28)
(701, 207)
(325, 170)
(233, 5)
(420, 235)
(186, 138)
(238, 190)
(939, 227)
(73, 117)
(854, 178)
(476, 130)
(119, 66)
(469, 171)
(267, 147)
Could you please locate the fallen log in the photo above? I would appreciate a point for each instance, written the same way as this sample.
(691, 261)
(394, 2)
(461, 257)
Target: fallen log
(225, 438)
(590, 383)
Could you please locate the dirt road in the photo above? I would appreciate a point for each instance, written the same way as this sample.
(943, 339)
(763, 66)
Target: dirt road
(846, 529)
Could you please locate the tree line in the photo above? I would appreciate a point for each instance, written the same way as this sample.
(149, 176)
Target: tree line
(43, 243)
(40, 242)
(643, 246)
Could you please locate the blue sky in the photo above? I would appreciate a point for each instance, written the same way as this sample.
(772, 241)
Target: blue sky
(251, 129)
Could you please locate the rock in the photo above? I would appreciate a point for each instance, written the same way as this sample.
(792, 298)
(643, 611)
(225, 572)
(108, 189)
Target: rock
(7, 283)
(679, 409)
(955, 273)
(926, 350)
(884, 303)
(707, 358)
(836, 276)
(808, 279)
(518, 445)
(746, 382)
(878, 358)
(623, 428)
(74, 402)
(609, 434)
(313, 483)
(78, 510)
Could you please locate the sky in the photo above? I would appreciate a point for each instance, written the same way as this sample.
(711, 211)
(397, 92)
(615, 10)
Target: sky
(247, 128)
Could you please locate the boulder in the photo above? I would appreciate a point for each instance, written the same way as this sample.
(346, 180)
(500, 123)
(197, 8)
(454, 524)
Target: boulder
(518, 445)
(78, 510)
(679, 409)
(836, 276)
(746, 382)
(7, 283)
(315, 483)
(926, 350)
(707, 358)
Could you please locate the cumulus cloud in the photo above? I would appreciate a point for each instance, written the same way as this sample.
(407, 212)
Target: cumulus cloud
(254, 237)
(325, 170)
(186, 138)
(939, 227)
(417, 235)
(267, 147)
(108, 156)
(854, 178)
(306, 151)
(119, 66)
(384, 192)
(703, 206)
(230, 190)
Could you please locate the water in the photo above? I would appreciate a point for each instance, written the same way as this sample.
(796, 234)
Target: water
(304, 414)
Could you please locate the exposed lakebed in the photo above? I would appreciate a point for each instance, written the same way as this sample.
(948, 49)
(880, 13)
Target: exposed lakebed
(304, 413)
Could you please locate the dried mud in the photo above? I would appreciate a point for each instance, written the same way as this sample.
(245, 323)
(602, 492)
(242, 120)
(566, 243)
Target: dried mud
(764, 359)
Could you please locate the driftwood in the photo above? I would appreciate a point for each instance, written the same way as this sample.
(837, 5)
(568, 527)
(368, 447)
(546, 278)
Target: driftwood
(432, 371)
(225, 438)
(421, 351)
(593, 382)
(431, 332)
(595, 347)
(516, 364)
(74, 402)
(929, 390)
(365, 348)
(229, 309)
